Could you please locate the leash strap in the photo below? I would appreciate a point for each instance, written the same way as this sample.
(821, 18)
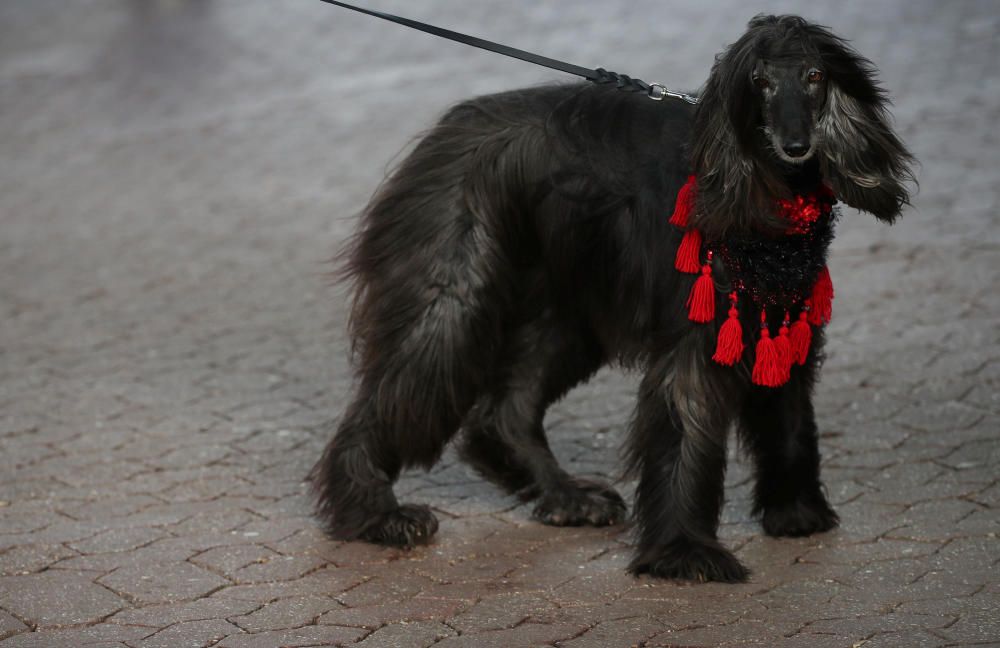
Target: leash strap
(656, 91)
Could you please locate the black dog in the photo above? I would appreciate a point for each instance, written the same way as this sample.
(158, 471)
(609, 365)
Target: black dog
(525, 243)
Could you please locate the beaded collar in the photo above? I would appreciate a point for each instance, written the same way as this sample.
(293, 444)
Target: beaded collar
(785, 273)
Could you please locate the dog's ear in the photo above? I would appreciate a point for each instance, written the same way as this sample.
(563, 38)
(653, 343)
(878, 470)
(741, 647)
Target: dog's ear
(734, 187)
(741, 104)
(864, 160)
(729, 116)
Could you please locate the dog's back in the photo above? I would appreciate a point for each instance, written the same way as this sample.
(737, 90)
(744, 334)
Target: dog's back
(503, 186)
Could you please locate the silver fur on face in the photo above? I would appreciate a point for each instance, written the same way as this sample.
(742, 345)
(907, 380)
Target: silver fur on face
(843, 121)
(772, 138)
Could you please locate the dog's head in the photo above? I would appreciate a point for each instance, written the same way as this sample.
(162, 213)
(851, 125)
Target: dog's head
(789, 92)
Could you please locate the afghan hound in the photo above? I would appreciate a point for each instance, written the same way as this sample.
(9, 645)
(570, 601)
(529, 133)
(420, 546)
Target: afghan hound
(533, 236)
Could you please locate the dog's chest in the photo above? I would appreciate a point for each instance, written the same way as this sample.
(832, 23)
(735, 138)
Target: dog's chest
(776, 270)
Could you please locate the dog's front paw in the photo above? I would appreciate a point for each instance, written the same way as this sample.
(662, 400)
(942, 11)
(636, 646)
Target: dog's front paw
(685, 559)
(802, 517)
(580, 502)
(405, 526)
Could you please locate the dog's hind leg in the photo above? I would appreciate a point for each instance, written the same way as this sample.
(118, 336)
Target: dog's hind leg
(409, 403)
(779, 428)
(353, 484)
(504, 439)
(427, 319)
(418, 381)
(678, 450)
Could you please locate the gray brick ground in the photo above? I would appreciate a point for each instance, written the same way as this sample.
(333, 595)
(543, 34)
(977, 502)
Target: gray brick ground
(173, 175)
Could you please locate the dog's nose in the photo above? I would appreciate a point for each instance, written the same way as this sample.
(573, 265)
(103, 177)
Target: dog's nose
(795, 149)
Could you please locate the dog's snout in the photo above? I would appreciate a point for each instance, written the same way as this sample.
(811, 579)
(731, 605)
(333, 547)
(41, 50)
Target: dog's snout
(796, 148)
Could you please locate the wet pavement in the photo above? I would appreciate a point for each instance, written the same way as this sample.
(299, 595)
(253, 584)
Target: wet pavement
(173, 176)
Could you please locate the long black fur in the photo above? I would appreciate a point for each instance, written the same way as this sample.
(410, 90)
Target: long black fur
(525, 242)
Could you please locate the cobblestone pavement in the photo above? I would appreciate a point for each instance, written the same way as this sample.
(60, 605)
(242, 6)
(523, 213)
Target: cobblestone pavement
(173, 175)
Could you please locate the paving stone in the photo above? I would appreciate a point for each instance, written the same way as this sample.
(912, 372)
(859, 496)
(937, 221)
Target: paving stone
(815, 640)
(910, 639)
(109, 507)
(278, 568)
(115, 540)
(527, 634)
(25, 559)
(680, 609)
(894, 622)
(471, 592)
(390, 587)
(294, 611)
(323, 635)
(10, 625)
(57, 598)
(165, 583)
(323, 582)
(211, 521)
(149, 557)
(20, 519)
(944, 419)
(772, 632)
(228, 560)
(977, 626)
(97, 635)
(498, 612)
(408, 635)
(866, 553)
(375, 616)
(157, 616)
(190, 633)
(620, 632)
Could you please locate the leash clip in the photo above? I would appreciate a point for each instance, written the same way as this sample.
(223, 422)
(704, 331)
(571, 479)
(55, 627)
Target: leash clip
(659, 92)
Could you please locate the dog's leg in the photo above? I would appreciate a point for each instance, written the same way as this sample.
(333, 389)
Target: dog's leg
(779, 428)
(353, 483)
(504, 438)
(679, 452)
(418, 381)
(404, 413)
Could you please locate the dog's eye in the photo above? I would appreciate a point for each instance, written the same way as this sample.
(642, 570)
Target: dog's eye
(761, 82)
(815, 76)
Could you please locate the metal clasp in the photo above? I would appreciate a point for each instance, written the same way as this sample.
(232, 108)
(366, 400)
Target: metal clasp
(658, 92)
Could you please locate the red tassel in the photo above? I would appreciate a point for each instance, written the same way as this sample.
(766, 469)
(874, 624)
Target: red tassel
(801, 336)
(701, 302)
(688, 257)
(684, 204)
(822, 299)
(784, 348)
(729, 344)
(766, 371)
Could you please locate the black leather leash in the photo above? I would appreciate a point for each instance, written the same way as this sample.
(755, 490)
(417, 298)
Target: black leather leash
(656, 91)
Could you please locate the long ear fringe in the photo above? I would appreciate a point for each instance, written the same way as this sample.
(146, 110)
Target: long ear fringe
(865, 162)
(735, 186)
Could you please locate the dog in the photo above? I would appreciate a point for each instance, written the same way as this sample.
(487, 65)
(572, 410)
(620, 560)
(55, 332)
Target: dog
(533, 236)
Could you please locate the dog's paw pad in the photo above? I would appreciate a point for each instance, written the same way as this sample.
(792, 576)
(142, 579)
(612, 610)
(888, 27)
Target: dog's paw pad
(687, 560)
(581, 502)
(406, 526)
(800, 518)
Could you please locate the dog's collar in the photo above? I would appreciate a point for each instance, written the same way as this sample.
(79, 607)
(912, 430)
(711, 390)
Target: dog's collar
(809, 229)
